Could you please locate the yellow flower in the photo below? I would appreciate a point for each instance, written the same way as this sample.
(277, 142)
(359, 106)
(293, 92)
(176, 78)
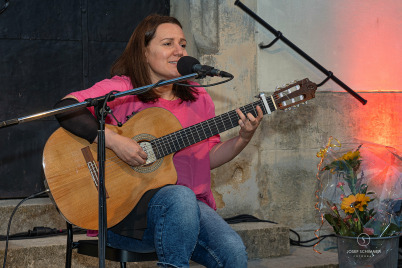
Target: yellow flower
(350, 203)
(351, 155)
(361, 200)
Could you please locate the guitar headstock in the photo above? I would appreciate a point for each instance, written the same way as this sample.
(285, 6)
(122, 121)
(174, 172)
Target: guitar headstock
(294, 93)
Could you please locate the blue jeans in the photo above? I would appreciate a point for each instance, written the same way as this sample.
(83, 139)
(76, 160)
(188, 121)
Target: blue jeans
(181, 228)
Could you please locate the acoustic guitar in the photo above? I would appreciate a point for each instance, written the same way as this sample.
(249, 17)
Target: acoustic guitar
(71, 170)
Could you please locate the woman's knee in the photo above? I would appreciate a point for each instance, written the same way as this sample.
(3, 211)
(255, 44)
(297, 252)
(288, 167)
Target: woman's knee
(174, 194)
(181, 194)
(177, 200)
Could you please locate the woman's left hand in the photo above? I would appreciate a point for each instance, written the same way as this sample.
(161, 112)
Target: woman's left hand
(248, 123)
(225, 151)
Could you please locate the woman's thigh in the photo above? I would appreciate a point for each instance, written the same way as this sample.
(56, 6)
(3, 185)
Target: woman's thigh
(171, 207)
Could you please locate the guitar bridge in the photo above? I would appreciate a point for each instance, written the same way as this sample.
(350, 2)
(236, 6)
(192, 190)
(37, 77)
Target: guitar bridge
(92, 167)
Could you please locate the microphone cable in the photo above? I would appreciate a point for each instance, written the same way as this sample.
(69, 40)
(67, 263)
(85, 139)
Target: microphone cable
(210, 85)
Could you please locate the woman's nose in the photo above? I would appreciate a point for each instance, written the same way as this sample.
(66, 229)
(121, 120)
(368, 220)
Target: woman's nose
(179, 50)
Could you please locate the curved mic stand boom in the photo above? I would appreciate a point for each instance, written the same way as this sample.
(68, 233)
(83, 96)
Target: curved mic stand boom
(100, 104)
(280, 36)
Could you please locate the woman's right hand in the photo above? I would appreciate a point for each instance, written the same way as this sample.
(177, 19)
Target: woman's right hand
(125, 148)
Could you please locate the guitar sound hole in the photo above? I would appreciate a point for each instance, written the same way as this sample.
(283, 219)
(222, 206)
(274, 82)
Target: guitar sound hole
(152, 163)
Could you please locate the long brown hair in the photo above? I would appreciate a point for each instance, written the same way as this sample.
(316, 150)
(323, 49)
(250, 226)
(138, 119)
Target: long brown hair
(132, 62)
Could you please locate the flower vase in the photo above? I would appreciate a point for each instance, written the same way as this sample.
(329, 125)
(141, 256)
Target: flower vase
(366, 251)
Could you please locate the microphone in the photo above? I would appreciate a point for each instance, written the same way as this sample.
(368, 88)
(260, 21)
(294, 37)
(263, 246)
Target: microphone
(188, 65)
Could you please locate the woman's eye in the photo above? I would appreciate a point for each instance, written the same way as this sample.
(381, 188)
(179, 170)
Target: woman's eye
(183, 45)
(167, 44)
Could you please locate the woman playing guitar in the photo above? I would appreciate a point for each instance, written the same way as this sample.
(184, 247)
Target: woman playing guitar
(177, 220)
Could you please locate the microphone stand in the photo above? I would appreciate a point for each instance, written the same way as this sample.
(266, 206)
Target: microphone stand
(99, 103)
(279, 35)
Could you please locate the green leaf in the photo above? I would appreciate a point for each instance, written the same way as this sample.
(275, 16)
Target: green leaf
(330, 219)
(333, 221)
(344, 230)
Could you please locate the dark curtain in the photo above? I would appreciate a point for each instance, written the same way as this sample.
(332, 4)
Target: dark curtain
(48, 49)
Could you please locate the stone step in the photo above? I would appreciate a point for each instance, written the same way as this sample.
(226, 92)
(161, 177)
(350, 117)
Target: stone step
(50, 252)
(299, 258)
(32, 213)
(267, 244)
(262, 240)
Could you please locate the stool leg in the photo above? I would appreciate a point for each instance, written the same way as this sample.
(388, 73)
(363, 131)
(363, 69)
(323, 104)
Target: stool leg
(69, 247)
(122, 264)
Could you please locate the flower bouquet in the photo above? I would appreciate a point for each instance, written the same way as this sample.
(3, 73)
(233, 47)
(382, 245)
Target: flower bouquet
(361, 190)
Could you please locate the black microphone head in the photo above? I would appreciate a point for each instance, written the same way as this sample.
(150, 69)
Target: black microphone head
(185, 65)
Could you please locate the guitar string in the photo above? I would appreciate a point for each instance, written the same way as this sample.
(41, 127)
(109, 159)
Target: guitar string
(250, 108)
(227, 123)
(247, 109)
(174, 138)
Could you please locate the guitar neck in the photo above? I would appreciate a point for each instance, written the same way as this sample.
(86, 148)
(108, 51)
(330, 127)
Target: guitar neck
(185, 137)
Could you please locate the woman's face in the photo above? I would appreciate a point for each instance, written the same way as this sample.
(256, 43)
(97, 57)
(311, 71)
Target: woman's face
(164, 50)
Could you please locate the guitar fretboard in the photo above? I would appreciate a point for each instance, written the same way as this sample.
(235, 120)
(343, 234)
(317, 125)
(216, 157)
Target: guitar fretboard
(185, 137)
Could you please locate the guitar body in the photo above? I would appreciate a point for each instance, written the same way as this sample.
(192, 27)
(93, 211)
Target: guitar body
(73, 188)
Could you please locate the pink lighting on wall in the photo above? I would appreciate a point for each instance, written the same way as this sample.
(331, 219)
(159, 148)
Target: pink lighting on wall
(370, 44)
(379, 121)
